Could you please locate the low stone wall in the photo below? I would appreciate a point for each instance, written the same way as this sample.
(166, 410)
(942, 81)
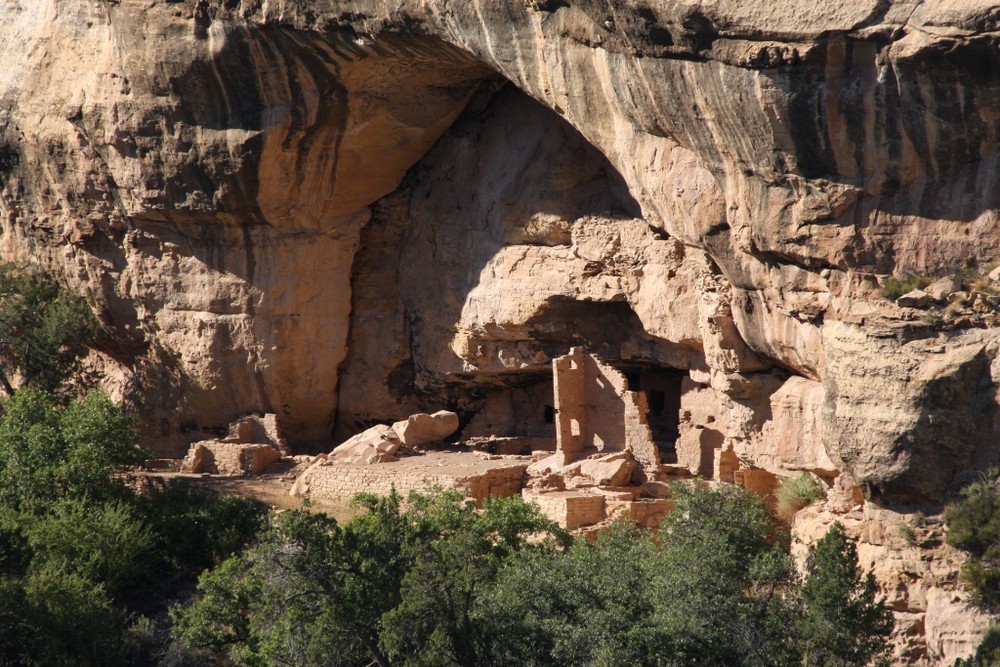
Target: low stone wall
(330, 480)
(570, 509)
(229, 458)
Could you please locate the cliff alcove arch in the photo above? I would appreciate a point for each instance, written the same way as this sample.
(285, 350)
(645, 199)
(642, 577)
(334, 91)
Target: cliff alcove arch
(487, 263)
(285, 138)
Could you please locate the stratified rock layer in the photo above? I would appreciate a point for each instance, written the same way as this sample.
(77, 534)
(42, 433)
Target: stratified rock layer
(347, 212)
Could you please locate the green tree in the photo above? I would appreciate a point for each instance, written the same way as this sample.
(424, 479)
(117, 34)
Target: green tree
(454, 556)
(974, 527)
(389, 587)
(589, 604)
(88, 567)
(48, 452)
(723, 593)
(106, 543)
(311, 593)
(44, 329)
(712, 588)
(843, 621)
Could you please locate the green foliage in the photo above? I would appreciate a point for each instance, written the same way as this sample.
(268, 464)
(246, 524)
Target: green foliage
(796, 492)
(311, 593)
(893, 287)
(907, 534)
(974, 527)
(71, 620)
(456, 551)
(843, 623)
(106, 543)
(439, 584)
(314, 592)
(195, 529)
(933, 318)
(43, 328)
(82, 557)
(590, 604)
(714, 590)
(49, 452)
(726, 583)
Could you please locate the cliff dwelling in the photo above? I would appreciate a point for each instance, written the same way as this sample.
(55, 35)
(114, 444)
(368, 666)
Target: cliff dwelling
(601, 244)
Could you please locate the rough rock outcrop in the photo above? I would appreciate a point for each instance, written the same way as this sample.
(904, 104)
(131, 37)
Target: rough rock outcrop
(181, 162)
(347, 212)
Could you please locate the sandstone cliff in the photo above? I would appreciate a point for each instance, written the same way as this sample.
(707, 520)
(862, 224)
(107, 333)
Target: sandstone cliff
(345, 212)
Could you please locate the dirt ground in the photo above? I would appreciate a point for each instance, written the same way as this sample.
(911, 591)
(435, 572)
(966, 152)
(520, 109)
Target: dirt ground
(271, 488)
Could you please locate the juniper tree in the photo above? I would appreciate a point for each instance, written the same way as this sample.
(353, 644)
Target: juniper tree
(844, 623)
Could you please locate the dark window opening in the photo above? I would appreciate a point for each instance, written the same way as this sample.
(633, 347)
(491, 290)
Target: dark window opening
(657, 402)
(662, 388)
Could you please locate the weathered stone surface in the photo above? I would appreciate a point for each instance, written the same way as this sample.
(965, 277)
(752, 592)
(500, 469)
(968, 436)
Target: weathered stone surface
(479, 479)
(196, 459)
(609, 470)
(915, 570)
(941, 289)
(229, 458)
(915, 299)
(909, 419)
(793, 438)
(423, 429)
(378, 444)
(338, 213)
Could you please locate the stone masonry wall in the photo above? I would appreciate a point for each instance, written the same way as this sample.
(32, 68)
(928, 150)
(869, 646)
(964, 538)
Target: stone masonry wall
(342, 482)
(596, 410)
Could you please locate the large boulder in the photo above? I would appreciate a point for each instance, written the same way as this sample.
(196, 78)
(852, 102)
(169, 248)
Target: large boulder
(378, 444)
(423, 429)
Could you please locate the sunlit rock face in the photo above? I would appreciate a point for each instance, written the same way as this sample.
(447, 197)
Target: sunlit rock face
(346, 212)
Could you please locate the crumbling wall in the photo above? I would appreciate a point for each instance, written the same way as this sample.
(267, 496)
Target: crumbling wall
(516, 412)
(229, 458)
(332, 481)
(596, 411)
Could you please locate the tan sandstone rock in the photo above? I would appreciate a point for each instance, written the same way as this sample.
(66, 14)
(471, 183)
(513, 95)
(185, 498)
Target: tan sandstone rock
(423, 429)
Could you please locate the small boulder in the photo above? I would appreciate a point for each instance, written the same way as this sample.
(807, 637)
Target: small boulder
(545, 466)
(423, 429)
(994, 275)
(378, 444)
(611, 470)
(941, 289)
(915, 299)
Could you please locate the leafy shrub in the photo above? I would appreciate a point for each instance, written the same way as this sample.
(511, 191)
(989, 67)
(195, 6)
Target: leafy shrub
(106, 543)
(796, 492)
(44, 329)
(907, 534)
(933, 318)
(195, 529)
(974, 527)
(49, 452)
(893, 288)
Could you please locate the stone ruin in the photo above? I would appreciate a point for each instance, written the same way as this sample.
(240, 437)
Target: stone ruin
(253, 443)
(604, 462)
(611, 456)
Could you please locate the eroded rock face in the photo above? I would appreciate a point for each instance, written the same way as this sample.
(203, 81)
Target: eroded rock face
(348, 212)
(205, 173)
